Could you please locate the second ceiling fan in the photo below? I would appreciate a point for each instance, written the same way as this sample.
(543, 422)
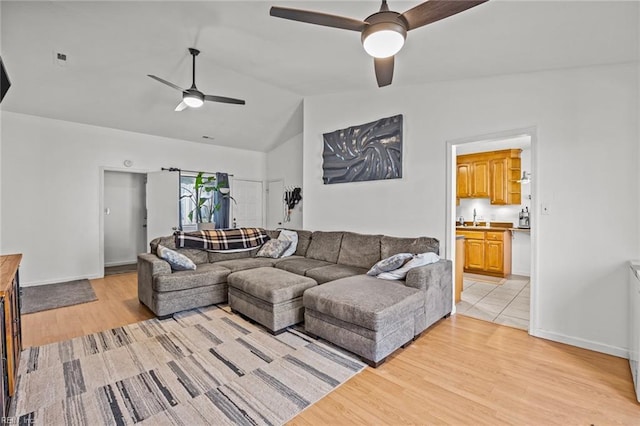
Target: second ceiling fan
(383, 33)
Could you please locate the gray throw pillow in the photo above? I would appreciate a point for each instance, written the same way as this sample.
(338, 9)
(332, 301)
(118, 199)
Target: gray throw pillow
(418, 260)
(273, 248)
(178, 262)
(389, 264)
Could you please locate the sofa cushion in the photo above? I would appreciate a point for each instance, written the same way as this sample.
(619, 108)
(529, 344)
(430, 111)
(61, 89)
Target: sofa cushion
(304, 239)
(359, 250)
(249, 263)
(328, 273)
(300, 265)
(270, 284)
(394, 245)
(365, 301)
(206, 274)
(273, 234)
(219, 256)
(325, 246)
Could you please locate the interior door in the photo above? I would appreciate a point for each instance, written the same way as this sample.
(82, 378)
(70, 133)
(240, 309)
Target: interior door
(275, 204)
(163, 194)
(247, 210)
(124, 217)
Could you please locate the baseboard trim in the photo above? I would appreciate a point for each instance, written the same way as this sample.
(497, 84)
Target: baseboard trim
(60, 280)
(126, 262)
(582, 343)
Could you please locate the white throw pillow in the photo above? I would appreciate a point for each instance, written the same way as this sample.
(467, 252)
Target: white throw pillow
(419, 260)
(288, 235)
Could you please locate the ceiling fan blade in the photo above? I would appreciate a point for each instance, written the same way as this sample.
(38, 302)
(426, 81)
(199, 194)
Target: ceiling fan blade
(181, 106)
(165, 82)
(224, 100)
(435, 10)
(384, 70)
(318, 18)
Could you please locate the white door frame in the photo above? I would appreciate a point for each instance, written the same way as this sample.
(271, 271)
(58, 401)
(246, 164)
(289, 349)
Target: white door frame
(451, 207)
(101, 171)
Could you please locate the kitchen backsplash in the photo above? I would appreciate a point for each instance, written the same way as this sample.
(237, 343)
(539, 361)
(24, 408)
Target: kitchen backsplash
(485, 211)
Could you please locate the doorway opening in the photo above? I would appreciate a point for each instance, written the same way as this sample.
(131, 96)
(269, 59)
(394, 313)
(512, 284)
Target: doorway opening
(124, 220)
(492, 226)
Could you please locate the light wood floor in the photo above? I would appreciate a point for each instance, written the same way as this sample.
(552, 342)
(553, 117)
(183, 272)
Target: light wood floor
(461, 371)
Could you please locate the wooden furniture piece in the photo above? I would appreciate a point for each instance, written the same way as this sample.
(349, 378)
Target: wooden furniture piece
(487, 252)
(459, 267)
(12, 342)
(493, 175)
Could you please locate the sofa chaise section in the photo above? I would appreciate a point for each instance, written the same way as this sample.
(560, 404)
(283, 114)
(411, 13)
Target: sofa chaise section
(365, 315)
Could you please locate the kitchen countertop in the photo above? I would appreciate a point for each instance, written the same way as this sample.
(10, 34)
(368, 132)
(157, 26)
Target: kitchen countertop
(483, 228)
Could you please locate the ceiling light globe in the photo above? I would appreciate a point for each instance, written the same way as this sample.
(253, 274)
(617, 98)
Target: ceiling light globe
(192, 100)
(383, 43)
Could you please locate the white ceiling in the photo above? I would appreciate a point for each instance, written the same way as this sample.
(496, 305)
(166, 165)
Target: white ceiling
(270, 62)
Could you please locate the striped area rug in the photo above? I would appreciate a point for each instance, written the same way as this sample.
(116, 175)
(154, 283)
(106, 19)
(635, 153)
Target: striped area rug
(202, 367)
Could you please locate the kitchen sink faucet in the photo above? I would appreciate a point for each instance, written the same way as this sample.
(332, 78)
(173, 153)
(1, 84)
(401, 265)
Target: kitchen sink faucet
(475, 223)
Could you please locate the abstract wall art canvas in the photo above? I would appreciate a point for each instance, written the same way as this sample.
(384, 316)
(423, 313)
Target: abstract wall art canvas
(371, 151)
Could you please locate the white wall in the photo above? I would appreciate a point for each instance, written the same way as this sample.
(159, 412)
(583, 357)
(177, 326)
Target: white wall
(51, 185)
(285, 162)
(586, 121)
(124, 217)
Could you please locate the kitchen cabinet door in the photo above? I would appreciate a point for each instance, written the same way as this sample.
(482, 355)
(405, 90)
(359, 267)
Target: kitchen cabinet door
(480, 179)
(474, 254)
(494, 254)
(464, 181)
(498, 181)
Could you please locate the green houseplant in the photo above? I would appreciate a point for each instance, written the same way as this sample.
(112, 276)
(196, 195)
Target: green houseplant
(202, 197)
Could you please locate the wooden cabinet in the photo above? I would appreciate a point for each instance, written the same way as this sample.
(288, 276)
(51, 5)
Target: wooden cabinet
(12, 341)
(464, 180)
(487, 252)
(492, 175)
(480, 179)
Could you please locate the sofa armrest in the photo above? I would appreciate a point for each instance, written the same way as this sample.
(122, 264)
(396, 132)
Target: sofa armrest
(152, 264)
(436, 281)
(149, 265)
(423, 277)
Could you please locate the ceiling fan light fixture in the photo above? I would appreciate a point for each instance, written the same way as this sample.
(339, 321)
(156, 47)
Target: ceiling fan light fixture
(193, 100)
(384, 39)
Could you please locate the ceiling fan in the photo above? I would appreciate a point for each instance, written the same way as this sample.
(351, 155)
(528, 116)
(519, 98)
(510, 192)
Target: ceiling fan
(384, 32)
(192, 97)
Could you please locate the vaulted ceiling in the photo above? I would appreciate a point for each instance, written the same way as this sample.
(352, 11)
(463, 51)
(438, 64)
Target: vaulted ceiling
(271, 63)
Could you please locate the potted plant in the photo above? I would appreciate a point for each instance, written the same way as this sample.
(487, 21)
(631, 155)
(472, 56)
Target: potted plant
(202, 197)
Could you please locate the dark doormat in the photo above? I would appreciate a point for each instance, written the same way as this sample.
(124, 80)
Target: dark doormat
(52, 296)
(121, 269)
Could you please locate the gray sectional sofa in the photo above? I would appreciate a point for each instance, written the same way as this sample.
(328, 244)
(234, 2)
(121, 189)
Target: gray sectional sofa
(324, 283)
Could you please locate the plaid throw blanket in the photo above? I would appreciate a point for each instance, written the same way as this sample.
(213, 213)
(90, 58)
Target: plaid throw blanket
(222, 239)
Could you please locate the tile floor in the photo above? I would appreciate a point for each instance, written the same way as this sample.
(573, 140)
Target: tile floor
(506, 304)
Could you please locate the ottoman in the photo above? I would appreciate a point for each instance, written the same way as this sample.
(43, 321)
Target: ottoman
(368, 316)
(272, 297)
